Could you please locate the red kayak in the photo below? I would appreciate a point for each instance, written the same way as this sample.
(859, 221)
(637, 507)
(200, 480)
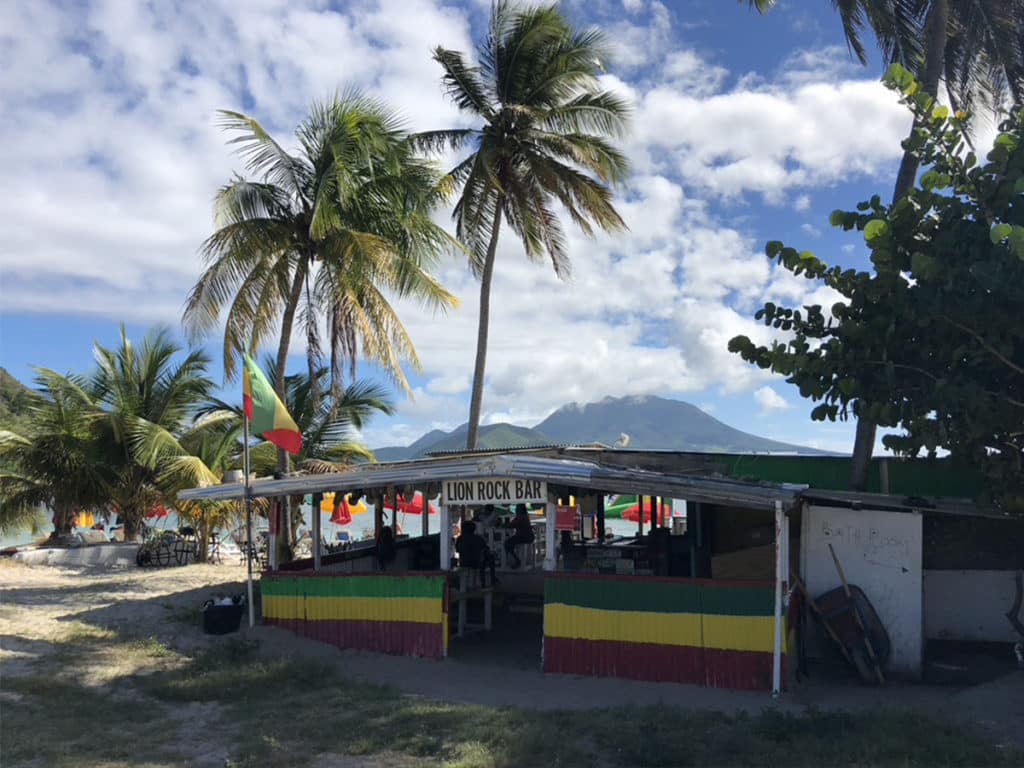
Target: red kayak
(632, 513)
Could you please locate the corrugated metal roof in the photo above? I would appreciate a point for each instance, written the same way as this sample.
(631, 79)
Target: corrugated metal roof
(571, 473)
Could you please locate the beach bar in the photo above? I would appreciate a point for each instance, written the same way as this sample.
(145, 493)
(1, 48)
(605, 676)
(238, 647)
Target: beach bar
(643, 606)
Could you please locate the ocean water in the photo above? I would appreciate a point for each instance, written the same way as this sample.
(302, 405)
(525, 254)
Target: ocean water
(360, 528)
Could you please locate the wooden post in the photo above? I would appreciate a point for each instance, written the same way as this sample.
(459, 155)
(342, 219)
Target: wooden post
(425, 522)
(640, 517)
(779, 577)
(550, 559)
(446, 538)
(317, 497)
(600, 516)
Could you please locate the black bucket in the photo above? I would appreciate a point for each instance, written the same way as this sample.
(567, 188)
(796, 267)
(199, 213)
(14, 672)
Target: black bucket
(223, 619)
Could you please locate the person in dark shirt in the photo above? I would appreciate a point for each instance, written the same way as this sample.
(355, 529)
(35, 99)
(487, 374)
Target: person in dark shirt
(473, 551)
(522, 534)
(386, 550)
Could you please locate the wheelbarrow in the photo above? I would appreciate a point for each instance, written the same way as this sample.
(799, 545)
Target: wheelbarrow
(851, 621)
(853, 624)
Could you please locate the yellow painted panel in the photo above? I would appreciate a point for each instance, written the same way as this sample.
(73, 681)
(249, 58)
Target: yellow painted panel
(422, 611)
(740, 633)
(562, 620)
(419, 610)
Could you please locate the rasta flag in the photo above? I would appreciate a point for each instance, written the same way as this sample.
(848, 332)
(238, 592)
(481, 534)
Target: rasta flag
(265, 412)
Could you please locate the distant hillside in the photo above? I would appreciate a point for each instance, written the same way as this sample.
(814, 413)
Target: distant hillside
(655, 423)
(651, 422)
(491, 436)
(14, 402)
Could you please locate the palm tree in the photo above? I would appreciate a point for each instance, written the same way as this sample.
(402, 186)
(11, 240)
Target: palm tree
(329, 424)
(330, 230)
(57, 462)
(199, 456)
(140, 388)
(976, 47)
(543, 140)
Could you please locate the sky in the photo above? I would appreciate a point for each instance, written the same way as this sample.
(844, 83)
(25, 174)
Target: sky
(745, 129)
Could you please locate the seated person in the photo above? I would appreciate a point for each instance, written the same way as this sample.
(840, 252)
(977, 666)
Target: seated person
(473, 551)
(386, 551)
(522, 534)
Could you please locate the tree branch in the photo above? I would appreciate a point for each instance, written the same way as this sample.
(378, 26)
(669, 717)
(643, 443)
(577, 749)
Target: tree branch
(992, 350)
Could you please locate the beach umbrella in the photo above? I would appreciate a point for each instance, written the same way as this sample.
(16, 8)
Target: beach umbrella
(85, 520)
(412, 507)
(158, 510)
(342, 513)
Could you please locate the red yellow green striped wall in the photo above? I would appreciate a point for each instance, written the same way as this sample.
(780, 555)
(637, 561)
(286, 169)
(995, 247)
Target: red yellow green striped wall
(402, 614)
(714, 633)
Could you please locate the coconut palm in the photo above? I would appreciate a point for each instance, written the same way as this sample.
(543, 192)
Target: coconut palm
(198, 457)
(329, 424)
(324, 234)
(542, 140)
(57, 462)
(976, 47)
(136, 387)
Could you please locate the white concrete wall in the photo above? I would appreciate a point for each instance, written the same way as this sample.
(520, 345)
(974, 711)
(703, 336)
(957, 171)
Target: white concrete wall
(969, 605)
(881, 553)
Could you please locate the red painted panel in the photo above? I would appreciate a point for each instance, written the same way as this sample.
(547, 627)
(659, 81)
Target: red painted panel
(636, 661)
(399, 638)
(740, 670)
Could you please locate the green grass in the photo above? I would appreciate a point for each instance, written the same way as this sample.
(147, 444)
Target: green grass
(288, 712)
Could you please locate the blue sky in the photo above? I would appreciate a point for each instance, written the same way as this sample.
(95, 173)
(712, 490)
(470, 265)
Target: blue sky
(746, 128)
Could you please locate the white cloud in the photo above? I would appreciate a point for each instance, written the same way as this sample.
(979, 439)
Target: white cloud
(769, 400)
(811, 230)
(116, 156)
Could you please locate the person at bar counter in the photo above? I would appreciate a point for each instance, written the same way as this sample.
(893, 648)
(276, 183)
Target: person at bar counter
(473, 551)
(522, 534)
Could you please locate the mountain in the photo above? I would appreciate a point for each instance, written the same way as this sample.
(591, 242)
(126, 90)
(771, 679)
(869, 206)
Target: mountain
(654, 422)
(490, 436)
(14, 401)
(651, 422)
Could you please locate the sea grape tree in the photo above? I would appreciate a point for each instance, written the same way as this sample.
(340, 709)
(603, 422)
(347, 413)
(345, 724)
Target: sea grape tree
(931, 340)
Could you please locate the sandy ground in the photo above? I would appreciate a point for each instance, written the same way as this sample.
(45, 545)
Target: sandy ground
(39, 605)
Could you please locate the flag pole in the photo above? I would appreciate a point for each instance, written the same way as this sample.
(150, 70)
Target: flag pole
(248, 517)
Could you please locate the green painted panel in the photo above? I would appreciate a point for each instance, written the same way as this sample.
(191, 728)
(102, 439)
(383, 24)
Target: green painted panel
(911, 477)
(357, 586)
(737, 600)
(661, 597)
(624, 595)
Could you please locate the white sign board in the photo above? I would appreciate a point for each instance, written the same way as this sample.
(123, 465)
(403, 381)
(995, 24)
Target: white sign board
(881, 553)
(494, 490)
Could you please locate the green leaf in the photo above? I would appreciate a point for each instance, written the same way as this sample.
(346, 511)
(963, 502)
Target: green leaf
(1000, 232)
(941, 112)
(875, 229)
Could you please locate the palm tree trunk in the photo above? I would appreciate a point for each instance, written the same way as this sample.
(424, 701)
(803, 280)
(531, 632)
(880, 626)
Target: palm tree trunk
(62, 516)
(935, 48)
(287, 322)
(476, 400)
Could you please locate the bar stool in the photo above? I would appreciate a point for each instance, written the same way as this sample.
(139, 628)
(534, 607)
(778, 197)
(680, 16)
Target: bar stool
(471, 588)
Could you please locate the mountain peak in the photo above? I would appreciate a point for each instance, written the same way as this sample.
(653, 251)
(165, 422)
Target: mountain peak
(652, 422)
